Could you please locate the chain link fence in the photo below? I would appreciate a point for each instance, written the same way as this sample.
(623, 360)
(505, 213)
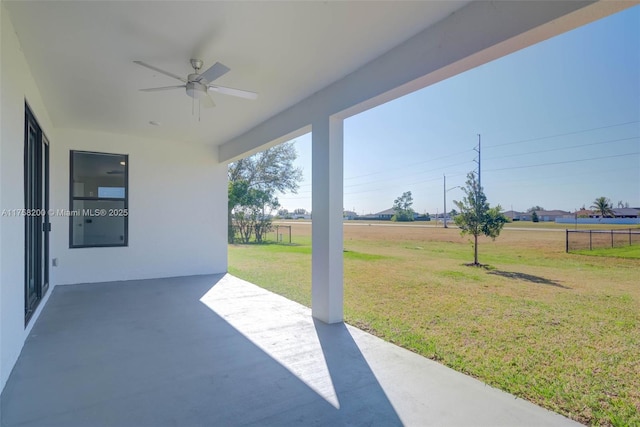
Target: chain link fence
(596, 239)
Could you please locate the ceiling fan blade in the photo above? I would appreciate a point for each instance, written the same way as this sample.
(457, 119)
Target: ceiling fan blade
(166, 73)
(207, 101)
(217, 70)
(233, 92)
(159, 89)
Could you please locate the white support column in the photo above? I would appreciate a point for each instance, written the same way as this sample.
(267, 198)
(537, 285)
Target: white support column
(327, 187)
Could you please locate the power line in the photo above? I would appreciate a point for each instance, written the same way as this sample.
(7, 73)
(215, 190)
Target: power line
(554, 178)
(390, 170)
(499, 184)
(404, 167)
(565, 162)
(407, 165)
(423, 181)
(563, 134)
(563, 148)
(411, 174)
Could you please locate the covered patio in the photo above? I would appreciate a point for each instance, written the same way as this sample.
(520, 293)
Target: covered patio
(216, 350)
(134, 322)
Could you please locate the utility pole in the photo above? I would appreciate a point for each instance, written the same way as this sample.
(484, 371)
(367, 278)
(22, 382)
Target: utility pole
(478, 150)
(478, 190)
(446, 190)
(445, 199)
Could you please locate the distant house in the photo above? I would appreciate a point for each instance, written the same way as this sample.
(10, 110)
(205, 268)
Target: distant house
(626, 213)
(546, 216)
(514, 215)
(620, 216)
(619, 213)
(349, 215)
(582, 213)
(385, 214)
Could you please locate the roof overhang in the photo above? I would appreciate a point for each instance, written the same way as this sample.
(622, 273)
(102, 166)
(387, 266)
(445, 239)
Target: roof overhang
(306, 60)
(476, 34)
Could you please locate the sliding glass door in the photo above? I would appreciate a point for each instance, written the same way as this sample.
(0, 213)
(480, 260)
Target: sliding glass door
(36, 230)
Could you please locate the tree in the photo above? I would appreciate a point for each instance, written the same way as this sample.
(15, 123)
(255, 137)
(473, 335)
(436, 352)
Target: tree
(250, 215)
(534, 217)
(622, 204)
(476, 216)
(602, 205)
(269, 172)
(402, 207)
(532, 209)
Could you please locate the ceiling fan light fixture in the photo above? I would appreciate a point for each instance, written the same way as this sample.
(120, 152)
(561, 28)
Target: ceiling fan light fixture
(196, 90)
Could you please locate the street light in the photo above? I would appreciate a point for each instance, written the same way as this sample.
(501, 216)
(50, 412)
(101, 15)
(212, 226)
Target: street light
(445, 199)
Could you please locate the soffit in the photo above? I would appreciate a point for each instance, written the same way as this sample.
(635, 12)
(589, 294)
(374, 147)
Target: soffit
(81, 55)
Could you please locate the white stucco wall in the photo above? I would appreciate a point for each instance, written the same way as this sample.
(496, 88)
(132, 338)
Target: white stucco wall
(177, 211)
(16, 86)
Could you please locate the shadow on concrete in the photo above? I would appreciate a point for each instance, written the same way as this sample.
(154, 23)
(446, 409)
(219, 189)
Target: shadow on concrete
(149, 353)
(528, 278)
(361, 397)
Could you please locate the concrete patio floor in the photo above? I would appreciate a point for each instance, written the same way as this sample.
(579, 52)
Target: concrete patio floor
(216, 350)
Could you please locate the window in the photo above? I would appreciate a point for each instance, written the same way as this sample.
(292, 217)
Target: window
(99, 200)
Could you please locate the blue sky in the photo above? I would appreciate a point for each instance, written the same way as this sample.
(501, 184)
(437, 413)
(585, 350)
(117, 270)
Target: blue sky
(559, 121)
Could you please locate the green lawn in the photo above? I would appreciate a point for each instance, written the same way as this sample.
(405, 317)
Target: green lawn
(621, 252)
(561, 330)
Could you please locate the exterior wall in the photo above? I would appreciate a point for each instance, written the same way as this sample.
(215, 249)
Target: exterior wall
(17, 86)
(598, 221)
(177, 211)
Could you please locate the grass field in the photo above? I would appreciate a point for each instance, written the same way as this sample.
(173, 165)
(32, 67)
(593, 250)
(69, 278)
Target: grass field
(621, 252)
(561, 330)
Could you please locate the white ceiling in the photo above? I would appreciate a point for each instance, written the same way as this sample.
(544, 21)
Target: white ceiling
(81, 55)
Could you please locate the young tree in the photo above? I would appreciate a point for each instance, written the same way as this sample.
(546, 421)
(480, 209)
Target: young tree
(402, 207)
(532, 209)
(476, 216)
(269, 171)
(603, 206)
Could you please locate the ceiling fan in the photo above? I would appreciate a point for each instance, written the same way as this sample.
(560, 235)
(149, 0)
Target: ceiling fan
(199, 85)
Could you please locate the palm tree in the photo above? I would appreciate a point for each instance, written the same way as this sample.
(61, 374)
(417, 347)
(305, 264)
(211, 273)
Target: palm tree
(603, 206)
